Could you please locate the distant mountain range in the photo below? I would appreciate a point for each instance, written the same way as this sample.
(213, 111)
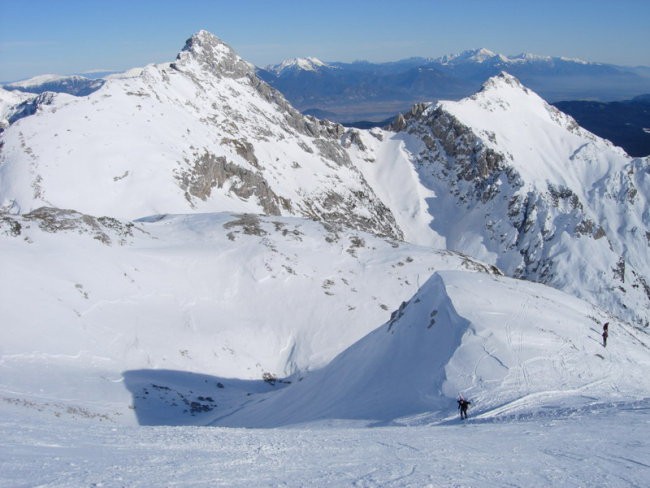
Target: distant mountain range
(364, 94)
(73, 85)
(363, 90)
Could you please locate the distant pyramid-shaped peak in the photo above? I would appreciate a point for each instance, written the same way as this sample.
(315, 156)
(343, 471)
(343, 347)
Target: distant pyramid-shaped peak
(304, 64)
(503, 80)
(207, 52)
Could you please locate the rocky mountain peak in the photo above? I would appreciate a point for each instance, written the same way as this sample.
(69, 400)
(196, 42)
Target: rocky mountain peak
(207, 52)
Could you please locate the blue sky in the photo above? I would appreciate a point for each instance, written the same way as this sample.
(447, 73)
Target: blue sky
(72, 36)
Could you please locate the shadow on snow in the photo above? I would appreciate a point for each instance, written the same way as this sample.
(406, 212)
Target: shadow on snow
(167, 397)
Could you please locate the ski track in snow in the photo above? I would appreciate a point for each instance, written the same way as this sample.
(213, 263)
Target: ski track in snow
(606, 445)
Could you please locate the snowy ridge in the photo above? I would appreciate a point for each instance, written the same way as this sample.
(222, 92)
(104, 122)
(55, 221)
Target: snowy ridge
(305, 64)
(460, 334)
(72, 84)
(534, 194)
(9, 102)
(484, 55)
(148, 295)
(40, 80)
(200, 134)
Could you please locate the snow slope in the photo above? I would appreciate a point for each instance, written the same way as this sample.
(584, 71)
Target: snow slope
(9, 100)
(605, 445)
(200, 134)
(506, 178)
(507, 345)
(86, 300)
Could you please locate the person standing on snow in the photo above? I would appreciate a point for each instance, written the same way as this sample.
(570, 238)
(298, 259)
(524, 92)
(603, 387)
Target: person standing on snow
(605, 333)
(462, 406)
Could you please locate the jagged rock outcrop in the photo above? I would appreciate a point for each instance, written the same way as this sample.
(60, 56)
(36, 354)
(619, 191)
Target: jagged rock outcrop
(56, 220)
(536, 195)
(202, 133)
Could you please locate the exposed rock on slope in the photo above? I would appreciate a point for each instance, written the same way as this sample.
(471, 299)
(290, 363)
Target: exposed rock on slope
(200, 134)
(9, 102)
(519, 184)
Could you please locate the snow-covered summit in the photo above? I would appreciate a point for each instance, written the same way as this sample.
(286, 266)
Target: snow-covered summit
(486, 56)
(304, 64)
(202, 133)
(502, 79)
(535, 194)
(516, 121)
(207, 52)
(469, 56)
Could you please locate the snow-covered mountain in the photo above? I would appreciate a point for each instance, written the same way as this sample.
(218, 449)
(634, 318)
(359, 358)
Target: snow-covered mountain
(504, 177)
(183, 247)
(470, 56)
(295, 64)
(71, 84)
(232, 297)
(177, 320)
(200, 134)
(9, 103)
(485, 56)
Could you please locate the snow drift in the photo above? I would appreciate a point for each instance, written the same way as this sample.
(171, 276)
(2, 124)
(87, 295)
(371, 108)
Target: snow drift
(221, 295)
(509, 346)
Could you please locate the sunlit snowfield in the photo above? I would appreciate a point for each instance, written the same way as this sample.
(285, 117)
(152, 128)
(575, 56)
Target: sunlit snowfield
(599, 445)
(283, 273)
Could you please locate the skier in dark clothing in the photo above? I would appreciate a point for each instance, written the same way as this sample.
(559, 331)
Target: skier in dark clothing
(462, 407)
(605, 335)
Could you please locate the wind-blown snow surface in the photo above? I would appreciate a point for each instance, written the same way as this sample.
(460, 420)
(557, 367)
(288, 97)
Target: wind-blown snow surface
(509, 345)
(604, 445)
(230, 297)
